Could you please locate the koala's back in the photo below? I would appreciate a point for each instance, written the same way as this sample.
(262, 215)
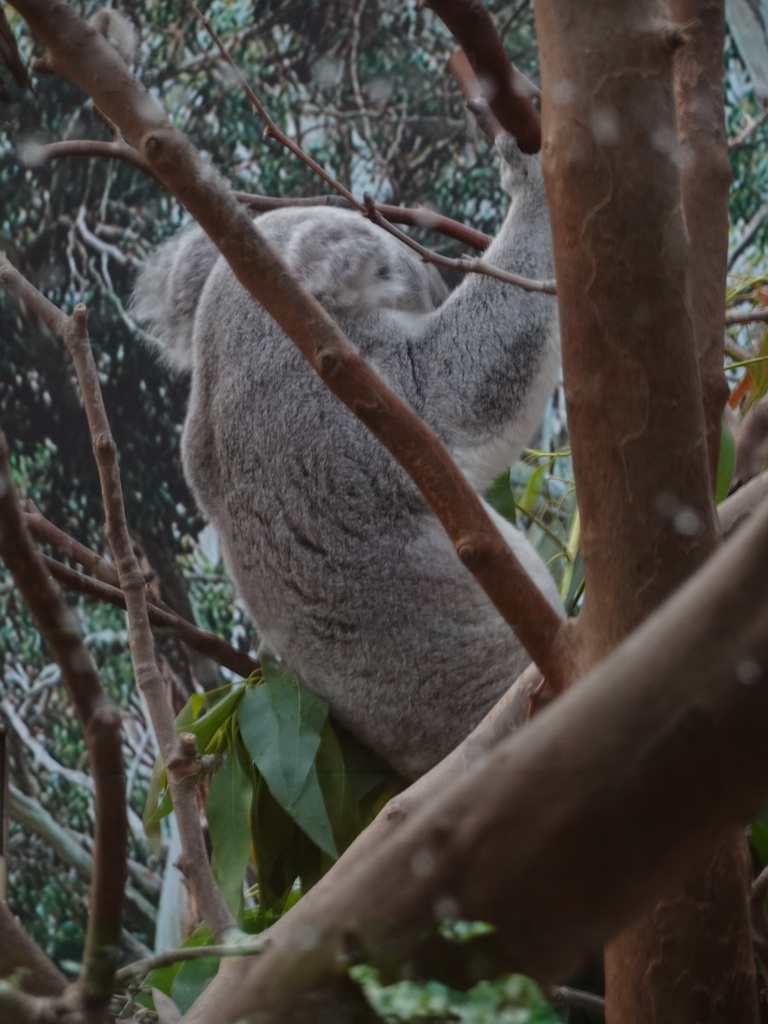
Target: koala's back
(345, 571)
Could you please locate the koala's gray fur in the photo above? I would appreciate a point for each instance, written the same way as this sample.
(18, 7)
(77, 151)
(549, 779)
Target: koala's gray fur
(346, 572)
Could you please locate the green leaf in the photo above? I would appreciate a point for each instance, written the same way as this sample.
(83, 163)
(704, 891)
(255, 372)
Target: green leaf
(206, 727)
(530, 496)
(499, 496)
(283, 851)
(338, 796)
(151, 816)
(193, 977)
(726, 462)
(228, 808)
(311, 815)
(162, 978)
(281, 723)
(162, 810)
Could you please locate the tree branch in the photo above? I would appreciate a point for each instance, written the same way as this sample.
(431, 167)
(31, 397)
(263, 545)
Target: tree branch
(168, 957)
(178, 753)
(100, 722)
(684, 752)
(106, 588)
(415, 217)
(705, 179)
(507, 92)
(751, 316)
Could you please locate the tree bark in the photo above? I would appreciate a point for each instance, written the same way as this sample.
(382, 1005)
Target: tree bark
(638, 349)
(705, 171)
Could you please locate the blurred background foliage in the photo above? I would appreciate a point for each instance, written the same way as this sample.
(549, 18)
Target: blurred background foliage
(361, 86)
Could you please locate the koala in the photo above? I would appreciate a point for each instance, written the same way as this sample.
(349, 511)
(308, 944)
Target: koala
(349, 577)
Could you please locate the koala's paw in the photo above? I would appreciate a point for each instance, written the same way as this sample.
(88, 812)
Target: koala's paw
(518, 170)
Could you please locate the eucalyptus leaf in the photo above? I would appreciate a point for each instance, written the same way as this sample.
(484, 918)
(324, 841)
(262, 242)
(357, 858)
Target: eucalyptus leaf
(193, 977)
(151, 816)
(227, 808)
(283, 851)
(280, 723)
(162, 978)
(532, 493)
(207, 726)
(338, 796)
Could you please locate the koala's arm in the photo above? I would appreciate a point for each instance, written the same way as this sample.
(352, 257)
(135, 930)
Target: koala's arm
(485, 363)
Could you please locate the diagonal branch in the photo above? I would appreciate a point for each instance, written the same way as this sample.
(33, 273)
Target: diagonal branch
(508, 92)
(106, 588)
(684, 750)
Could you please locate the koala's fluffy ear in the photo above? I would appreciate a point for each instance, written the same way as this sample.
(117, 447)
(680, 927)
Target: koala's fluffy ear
(168, 290)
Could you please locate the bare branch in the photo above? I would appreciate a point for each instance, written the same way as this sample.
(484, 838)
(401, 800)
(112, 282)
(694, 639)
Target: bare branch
(564, 995)
(168, 957)
(753, 225)
(100, 722)
(508, 93)
(751, 316)
(174, 751)
(751, 126)
(106, 588)
(416, 217)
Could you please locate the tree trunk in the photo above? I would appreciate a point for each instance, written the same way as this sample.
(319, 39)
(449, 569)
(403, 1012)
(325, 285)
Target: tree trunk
(637, 355)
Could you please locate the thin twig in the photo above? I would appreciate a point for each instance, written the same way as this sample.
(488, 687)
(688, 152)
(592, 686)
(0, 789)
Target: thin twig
(414, 216)
(273, 130)
(750, 128)
(100, 722)
(564, 995)
(752, 316)
(463, 263)
(737, 352)
(367, 207)
(178, 753)
(175, 752)
(168, 957)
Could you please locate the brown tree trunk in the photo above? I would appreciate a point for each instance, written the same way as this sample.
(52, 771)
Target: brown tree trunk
(690, 958)
(706, 177)
(645, 396)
